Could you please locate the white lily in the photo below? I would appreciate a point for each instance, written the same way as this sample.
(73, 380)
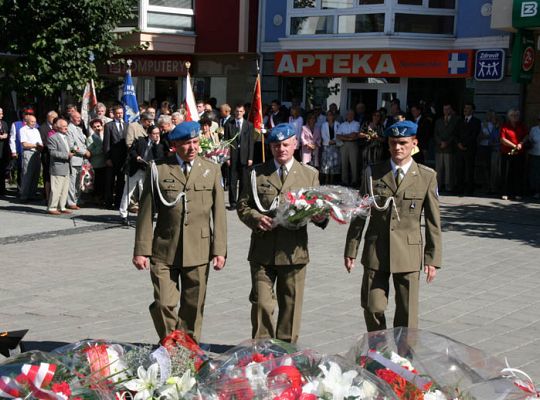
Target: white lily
(146, 383)
(435, 395)
(255, 375)
(397, 359)
(336, 384)
(176, 388)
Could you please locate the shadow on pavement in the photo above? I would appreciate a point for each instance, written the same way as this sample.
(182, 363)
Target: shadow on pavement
(46, 346)
(510, 221)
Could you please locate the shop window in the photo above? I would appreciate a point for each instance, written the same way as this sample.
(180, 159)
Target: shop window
(170, 21)
(304, 3)
(361, 23)
(330, 4)
(411, 2)
(450, 4)
(172, 3)
(312, 25)
(132, 22)
(318, 90)
(370, 2)
(292, 88)
(418, 23)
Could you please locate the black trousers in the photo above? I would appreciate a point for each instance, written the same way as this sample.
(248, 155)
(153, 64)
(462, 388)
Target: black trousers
(4, 162)
(114, 186)
(238, 178)
(513, 174)
(465, 161)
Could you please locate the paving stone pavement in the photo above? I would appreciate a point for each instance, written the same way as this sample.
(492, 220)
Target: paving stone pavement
(70, 277)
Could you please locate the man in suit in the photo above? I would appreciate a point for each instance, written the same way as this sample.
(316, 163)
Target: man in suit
(5, 153)
(424, 133)
(78, 140)
(444, 135)
(114, 147)
(142, 152)
(136, 130)
(44, 130)
(278, 115)
(278, 256)
(467, 139)
(186, 193)
(60, 145)
(393, 244)
(241, 152)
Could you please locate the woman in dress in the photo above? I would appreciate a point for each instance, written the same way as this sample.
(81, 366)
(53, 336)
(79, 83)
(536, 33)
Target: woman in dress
(513, 135)
(298, 122)
(311, 141)
(371, 134)
(331, 159)
(206, 132)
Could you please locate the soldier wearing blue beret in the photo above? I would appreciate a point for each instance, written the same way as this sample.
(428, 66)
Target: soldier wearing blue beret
(394, 247)
(278, 256)
(186, 193)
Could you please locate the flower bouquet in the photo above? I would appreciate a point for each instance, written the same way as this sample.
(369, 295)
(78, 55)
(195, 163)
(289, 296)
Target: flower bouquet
(423, 365)
(37, 375)
(336, 202)
(86, 178)
(216, 152)
(303, 375)
(123, 371)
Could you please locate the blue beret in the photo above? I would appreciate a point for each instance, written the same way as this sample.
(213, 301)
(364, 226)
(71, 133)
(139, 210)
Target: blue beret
(401, 129)
(185, 131)
(280, 133)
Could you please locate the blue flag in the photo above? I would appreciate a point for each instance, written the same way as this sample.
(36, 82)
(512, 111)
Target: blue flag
(129, 100)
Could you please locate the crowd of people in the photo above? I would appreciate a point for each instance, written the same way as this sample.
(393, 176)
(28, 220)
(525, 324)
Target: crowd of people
(470, 156)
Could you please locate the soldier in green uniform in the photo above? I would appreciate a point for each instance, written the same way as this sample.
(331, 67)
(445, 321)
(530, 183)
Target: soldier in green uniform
(277, 256)
(393, 244)
(186, 193)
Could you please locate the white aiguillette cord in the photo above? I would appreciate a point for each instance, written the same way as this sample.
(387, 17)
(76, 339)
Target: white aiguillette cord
(275, 202)
(154, 178)
(389, 200)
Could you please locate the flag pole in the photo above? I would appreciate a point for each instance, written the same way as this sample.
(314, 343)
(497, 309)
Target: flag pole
(262, 127)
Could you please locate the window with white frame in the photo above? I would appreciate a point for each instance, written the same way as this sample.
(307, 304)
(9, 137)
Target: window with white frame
(364, 17)
(168, 16)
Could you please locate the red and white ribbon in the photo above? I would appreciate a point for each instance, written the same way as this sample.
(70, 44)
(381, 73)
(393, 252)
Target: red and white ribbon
(34, 377)
(526, 385)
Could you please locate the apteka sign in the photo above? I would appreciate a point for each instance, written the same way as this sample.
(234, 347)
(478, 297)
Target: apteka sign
(392, 63)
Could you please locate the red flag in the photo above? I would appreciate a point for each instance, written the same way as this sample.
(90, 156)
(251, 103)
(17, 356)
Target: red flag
(191, 107)
(255, 114)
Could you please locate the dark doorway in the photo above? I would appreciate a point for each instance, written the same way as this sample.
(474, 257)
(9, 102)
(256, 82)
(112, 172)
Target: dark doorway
(366, 96)
(167, 89)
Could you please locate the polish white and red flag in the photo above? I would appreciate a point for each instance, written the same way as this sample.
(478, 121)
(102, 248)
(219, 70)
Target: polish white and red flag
(89, 101)
(191, 106)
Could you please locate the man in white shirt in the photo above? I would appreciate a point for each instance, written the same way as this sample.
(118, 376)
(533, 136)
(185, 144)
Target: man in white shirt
(31, 163)
(348, 133)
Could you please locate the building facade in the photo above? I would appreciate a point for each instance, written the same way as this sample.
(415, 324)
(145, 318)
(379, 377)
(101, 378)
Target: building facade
(218, 39)
(373, 51)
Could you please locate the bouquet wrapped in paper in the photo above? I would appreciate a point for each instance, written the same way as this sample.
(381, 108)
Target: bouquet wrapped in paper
(336, 202)
(115, 370)
(423, 365)
(216, 152)
(303, 375)
(37, 375)
(86, 178)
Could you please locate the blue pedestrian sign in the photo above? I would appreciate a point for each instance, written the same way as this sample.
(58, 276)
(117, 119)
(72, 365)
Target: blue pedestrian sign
(489, 65)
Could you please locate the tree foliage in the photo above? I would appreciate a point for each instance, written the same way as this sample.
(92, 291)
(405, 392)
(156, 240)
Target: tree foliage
(54, 41)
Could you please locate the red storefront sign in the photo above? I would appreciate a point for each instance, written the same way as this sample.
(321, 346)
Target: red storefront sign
(391, 63)
(152, 65)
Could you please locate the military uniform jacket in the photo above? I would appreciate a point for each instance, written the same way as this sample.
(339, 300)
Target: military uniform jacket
(183, 235)
(396, 245)
(280, 246)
